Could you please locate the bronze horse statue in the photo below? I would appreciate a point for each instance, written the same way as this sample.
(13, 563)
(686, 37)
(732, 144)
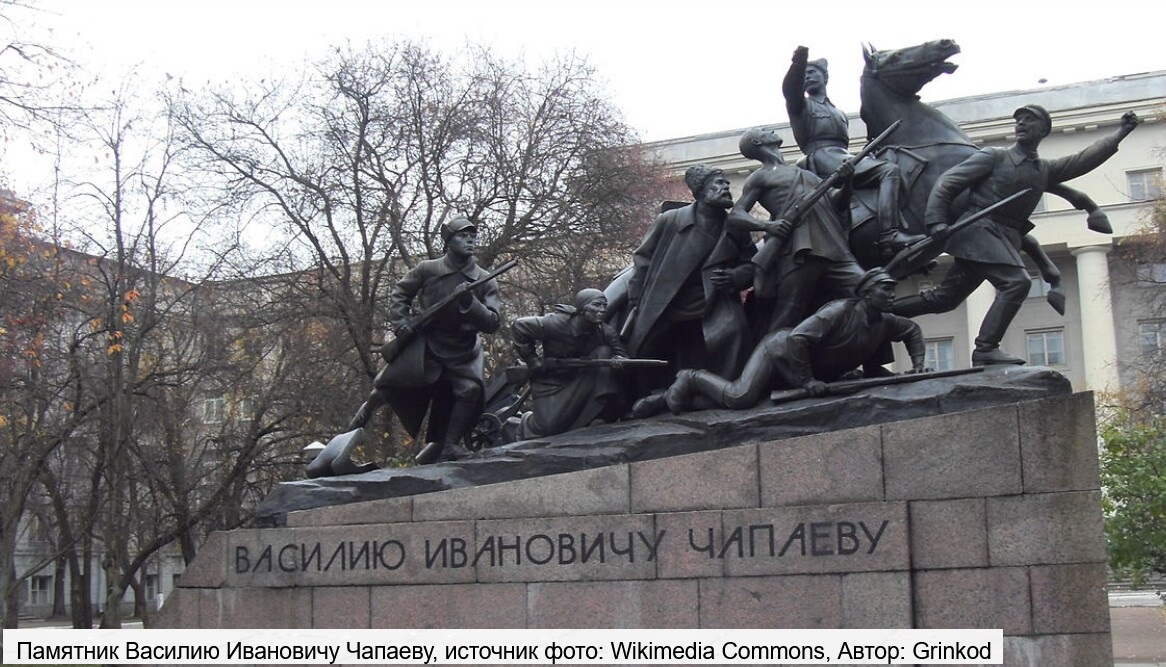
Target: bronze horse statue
(927, 144)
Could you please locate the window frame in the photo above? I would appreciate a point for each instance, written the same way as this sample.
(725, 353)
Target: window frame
(1044, 334)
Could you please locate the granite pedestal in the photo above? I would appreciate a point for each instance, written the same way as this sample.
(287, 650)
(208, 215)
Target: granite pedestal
(983, 518)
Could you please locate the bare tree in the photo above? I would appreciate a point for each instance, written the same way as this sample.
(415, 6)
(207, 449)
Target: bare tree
(145, 348)
(360, 161)
(36, 416)
(35, 80)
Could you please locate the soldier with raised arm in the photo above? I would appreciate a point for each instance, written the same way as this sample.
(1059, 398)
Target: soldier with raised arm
(989, 249)
(822, 132)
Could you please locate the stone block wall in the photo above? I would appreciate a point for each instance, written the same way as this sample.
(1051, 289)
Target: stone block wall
(979, 519)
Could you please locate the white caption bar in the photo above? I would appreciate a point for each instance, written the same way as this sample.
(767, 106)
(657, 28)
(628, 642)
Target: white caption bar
(486, 647)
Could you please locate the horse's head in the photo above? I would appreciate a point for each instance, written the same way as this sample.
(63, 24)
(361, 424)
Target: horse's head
(907, 70)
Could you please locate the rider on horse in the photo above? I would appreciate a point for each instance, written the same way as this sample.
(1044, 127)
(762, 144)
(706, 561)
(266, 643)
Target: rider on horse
(822, 131)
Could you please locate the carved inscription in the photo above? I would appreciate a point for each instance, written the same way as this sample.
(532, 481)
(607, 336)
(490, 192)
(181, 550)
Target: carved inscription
(818, 538)
(868, 536)
(368, 555)
(542, 549)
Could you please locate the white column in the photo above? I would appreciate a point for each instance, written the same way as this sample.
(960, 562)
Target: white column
(977, 305)
(1098, 336)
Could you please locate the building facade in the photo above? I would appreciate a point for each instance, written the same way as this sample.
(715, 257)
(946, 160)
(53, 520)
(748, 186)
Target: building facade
(1109, 321)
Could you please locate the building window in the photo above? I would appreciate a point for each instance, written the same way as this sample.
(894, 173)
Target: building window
(39, 589)
(214, 410)
(1151, 273)
(1046, 348)
(1144, 184)
(39, 529)
(151, 586)
(246, 409)
(1038, 289)
(940, 354)
(1152, 337)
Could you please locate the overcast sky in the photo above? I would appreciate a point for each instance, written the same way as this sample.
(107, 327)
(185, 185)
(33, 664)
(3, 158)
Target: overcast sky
(675, 67)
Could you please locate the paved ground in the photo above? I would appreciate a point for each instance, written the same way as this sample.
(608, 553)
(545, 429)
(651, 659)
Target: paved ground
(1138, 620)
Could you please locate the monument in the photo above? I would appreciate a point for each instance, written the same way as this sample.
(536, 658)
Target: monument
(966, 500)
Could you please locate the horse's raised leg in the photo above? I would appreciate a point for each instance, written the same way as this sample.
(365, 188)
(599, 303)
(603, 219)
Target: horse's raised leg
(1048, 271)
(1097, 220)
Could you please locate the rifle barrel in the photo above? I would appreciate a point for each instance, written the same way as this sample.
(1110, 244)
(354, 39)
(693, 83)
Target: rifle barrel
(846, 386)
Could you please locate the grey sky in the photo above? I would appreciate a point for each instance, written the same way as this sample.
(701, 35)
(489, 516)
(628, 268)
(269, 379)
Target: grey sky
(675, 67)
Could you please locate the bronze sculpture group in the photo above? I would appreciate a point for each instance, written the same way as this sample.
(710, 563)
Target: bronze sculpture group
(818, 306)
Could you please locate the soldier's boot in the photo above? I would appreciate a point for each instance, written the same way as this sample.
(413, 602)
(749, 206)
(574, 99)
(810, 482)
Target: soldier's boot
(988, 352)
(434, 452)
(892, 238)
(454, 451)
(652, 404)
(462, 419)
(1098, 221)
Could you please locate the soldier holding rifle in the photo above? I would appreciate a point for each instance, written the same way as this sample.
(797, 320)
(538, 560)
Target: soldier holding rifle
(990, 248)
(841, 336)
(573, 382)
(437, 318)
(810, 260)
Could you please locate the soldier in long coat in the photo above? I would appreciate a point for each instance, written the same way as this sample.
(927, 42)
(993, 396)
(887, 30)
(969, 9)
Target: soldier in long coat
(688, 274)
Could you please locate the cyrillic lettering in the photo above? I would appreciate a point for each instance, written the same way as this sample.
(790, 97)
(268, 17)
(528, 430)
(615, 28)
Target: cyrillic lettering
(431, 556)
(708, 548)
(387, 564)
(287, 568)
(737, 536)
(652, 546)
(874, 539)
(847, 531)
(820, 534)
(242, 560)
(488, 547)
(630, 552)
(753, 540)
(567, 553)
(516, 548)
(306, 557)
(798, 534)
(589, 550)
(264, 557)
(550, 544)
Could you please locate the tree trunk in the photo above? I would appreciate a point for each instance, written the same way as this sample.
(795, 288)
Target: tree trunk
(140, 601)
(12, 601)
(114, 591)
(186, 542)
(59, 608)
